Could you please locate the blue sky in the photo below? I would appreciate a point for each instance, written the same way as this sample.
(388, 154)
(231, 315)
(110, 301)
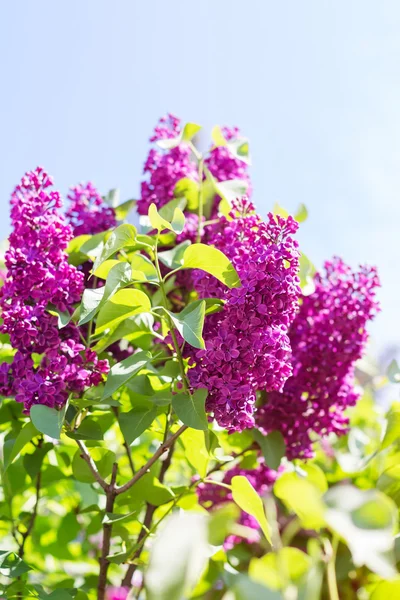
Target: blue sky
(315, 85)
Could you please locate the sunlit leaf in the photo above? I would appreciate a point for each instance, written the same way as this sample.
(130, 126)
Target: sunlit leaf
(248, 500)
(213, 261)
(190, 409)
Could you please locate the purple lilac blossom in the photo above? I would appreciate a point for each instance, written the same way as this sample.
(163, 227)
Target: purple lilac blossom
(223, 165)
(247, 344)
(88, 213)
(38, 274)
(212, 496)
(165, 167)
(117, 593)
(327, 337)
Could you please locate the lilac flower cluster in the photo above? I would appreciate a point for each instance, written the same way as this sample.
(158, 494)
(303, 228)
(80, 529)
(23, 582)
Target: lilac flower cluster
(88, 213)
(247, 346)
(212, 496)
(38, 275)
(117, 593)
(223, 165)
(327, 337)
(165, 168)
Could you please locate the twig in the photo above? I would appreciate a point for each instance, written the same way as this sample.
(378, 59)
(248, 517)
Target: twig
(26, 534)
(125, 444)
(143, 470)
(148, 518)
(107, 529)
(92, 465)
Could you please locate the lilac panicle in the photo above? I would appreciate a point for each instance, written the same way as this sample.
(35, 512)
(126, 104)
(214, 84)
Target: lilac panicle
(247, 344)
(211, 496)
(165, 168)
(38, 275)
(223, 165)
(88, 213)
(327, 337)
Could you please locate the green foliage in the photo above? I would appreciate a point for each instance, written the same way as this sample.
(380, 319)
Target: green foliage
(248, 500)
(113, 482)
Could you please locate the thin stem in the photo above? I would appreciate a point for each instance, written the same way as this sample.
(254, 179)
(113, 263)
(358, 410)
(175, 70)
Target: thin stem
(92, 465)
(107, 530)
(331, 550)
(26, 534)
(185, 382)
(125, 444)
(143, 470)
(148, 518)
(200, 223)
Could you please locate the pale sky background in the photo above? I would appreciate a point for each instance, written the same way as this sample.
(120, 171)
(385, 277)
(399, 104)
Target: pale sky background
(314, 84)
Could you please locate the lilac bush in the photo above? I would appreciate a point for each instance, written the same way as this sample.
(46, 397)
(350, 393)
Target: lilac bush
(153, 378)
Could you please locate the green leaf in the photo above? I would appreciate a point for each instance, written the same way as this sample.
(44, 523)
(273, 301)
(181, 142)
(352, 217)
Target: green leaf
(231, 189)
(184, 537)
(269, 569)
(244, 588)
(88, 430)
(122, 210)
(142, 263)
(367, 521)
(12, 564)
(178, 221)
(123, 371)
(213, 261)
(174, 258)
(14, 446)
(136, 421)
(187, 133)
(156, 220)
(387, 590)
(48, 420)
(217, 136)
(190, 324)
(167, 211)
(191, 409)
(196, 452)
(392, 433)
(63, 318)
(103, 458)
(189, 190)
(302, 497)
(105, 268)
(222, 520)
(123, 236)
(272, 446)
(301, 214)
(125, 303)
(90, 304)
(112, 198)
(248, 500)
(393, 372)
(117, 518)
(33, 462)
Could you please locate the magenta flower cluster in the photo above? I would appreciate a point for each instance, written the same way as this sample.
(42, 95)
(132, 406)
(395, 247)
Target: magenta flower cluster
(212, 496)
(88, 213)
(223, 165)
(165, 168)
(247, 344)
(38, 278)
(327, 337)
